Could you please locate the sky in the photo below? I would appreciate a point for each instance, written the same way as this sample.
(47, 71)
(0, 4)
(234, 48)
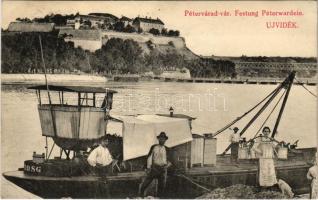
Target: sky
(204, 35)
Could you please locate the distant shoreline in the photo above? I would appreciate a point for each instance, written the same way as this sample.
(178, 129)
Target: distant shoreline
(12, 79)
(25, 79)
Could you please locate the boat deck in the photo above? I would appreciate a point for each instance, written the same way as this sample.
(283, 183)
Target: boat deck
(243, 166)
(122, 185)
(220, 168)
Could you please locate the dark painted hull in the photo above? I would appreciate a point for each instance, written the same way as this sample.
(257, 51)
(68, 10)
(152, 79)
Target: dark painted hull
(124, 185)
(178, 187)
(294, 176)
(74, 187)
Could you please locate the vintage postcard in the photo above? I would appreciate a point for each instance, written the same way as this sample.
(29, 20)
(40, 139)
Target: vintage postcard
(159, 99)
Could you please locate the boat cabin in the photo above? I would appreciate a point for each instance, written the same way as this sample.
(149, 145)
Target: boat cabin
(73, 116)
(78, 117)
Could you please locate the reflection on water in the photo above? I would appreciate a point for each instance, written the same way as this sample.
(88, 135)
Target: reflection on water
(214, 105)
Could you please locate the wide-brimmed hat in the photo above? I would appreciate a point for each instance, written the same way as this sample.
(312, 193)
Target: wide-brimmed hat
(162, 135)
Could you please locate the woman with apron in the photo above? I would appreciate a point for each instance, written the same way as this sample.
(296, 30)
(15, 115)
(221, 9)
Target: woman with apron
(266, 149)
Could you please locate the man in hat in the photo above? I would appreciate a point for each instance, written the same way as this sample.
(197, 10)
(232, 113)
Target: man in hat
(157, 165)
(235, 140)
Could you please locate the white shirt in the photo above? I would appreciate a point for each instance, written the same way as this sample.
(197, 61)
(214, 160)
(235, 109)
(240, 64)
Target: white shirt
(158, 156)
(235, 137)
(312, 172)
(100, 155)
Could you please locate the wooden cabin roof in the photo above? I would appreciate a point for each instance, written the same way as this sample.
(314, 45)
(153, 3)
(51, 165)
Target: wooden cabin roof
(81, 89)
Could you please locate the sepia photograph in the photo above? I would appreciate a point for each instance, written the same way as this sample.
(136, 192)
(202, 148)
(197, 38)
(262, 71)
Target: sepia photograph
(159, 100)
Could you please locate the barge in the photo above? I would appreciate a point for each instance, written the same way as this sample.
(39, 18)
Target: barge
(197, 168)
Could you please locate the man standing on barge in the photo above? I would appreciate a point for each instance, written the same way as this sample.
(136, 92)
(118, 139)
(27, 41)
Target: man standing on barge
(157, 165)
(235, 141)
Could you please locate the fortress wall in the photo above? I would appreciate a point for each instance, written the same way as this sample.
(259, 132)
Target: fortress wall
(91, 45)
(143, 38)
(92, 40)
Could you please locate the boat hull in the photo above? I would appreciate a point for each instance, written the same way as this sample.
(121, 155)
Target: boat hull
(188, 184)
(179, 186)
(295, 176)
(74, 187)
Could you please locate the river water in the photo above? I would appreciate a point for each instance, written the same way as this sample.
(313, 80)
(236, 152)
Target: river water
(214, 105)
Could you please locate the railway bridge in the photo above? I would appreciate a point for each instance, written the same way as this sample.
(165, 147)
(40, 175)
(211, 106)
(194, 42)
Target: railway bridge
(274, 69)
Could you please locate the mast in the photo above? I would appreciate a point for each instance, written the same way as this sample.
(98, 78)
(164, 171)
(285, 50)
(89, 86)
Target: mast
(240, 117)
(289, 85)
(260, 111)
(47, 88)
(277, 90)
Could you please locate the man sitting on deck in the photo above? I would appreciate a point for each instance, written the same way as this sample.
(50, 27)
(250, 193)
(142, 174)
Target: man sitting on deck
(235, 139)
(100, 158)
(157, 165)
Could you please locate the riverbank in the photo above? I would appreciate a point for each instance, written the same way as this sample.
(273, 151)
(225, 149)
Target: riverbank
(73, 79)
(245, 80)
(52, 79)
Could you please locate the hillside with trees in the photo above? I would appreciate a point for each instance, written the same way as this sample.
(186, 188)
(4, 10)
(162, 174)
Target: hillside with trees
(21, 54)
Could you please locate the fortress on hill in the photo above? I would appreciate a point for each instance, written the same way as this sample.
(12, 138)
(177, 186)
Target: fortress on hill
(91, 31)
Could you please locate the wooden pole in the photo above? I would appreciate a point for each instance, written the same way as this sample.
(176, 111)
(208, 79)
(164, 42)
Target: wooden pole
(240, 117)
(51, 150)
(259, 112)
(40, 97)
(290, 83)
(44, 67)
(79, 98)
(94, 98)
(62, 98)
(47, 88)
(46, 148)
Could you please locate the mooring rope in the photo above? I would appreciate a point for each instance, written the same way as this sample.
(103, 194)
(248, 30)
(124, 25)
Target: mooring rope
(246, 113)
(269, 114)
(193, 182)
(302, 84)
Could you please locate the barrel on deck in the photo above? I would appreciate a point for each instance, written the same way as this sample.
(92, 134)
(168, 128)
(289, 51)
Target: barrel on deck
(197, 145)
(243, 153)
(282, 153)
(209, 151)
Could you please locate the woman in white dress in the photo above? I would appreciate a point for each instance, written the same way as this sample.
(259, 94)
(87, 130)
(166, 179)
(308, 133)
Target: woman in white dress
(266, 149)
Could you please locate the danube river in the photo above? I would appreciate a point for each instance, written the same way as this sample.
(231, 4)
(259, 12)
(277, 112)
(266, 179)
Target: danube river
(214, 105)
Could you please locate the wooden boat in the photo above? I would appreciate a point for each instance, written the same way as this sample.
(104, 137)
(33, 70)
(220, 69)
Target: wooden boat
(197, 168)
(125, 185)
